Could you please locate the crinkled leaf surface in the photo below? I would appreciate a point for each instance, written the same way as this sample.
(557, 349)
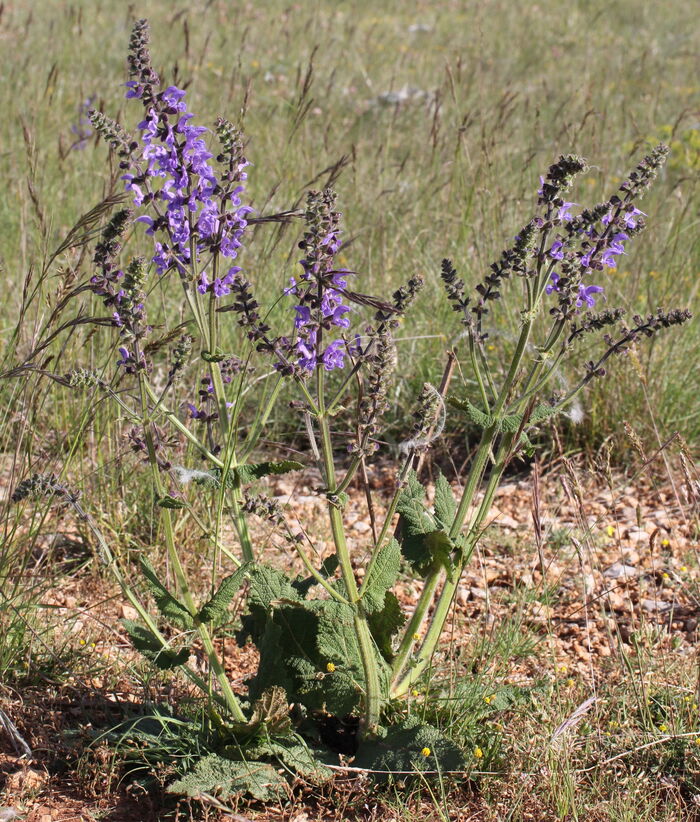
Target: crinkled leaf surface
(445, 505)
(216, 607)
(224, 778)
(385, 623)
(382, 575)
(147, 643)
(401, 750)
(174, 611)
(257, 470)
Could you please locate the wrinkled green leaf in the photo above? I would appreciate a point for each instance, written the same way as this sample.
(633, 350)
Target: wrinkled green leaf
(272, 711)
(257, 470)
(224, 778)
(171, 503)
(296, 755)
(382, 575)
(216, 607)
(327, 569)
(147, 643)
(386, 623)
(445, 505)
(401, 750)
(173, 610)
(425, 546)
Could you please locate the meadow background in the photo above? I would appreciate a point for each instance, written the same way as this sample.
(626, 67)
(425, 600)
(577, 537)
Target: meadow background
(433, 121)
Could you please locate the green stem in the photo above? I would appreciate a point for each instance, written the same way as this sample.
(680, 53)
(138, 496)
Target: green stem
(442, 609)
(373, 696)
(183, 586)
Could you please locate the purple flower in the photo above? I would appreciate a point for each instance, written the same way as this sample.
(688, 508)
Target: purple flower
(196, 413)
(585, 294)
(303, 317)
(134, 90)
(586, 259)
(629, 217)
(334, 355)
(555, 252)
(554, 286)
(173, 96)
(563, 213)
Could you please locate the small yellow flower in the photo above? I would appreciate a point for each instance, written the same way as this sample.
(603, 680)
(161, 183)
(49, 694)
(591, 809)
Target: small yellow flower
(416, 637)
(610, 530)
(663, 728)
(563, 668)
(665, 543)
(330, 667)
(478, 753)
(570, 683)
(487, 699)
(697, 740)
(82, 642)
(414, 692)
(426, 752)
(683, 569)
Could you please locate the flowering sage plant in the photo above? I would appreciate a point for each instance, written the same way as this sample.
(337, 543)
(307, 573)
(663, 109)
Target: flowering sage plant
(333, 643)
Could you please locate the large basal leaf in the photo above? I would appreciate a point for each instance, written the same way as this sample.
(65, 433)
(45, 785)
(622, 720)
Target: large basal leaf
(174, 611)
(216, 607)
(381, 577)
(337, 643)
(403, 751)
(147, 643)
(224, 778)
(294, 754)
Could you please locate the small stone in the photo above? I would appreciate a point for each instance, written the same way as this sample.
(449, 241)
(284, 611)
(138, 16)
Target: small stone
(478, 593)
(630, 556)
(361, 526)
(657, 606)
(462, 596)
(128, 612)
(619, 570)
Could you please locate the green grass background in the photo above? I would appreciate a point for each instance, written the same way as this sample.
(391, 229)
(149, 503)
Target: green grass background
(490, 94)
